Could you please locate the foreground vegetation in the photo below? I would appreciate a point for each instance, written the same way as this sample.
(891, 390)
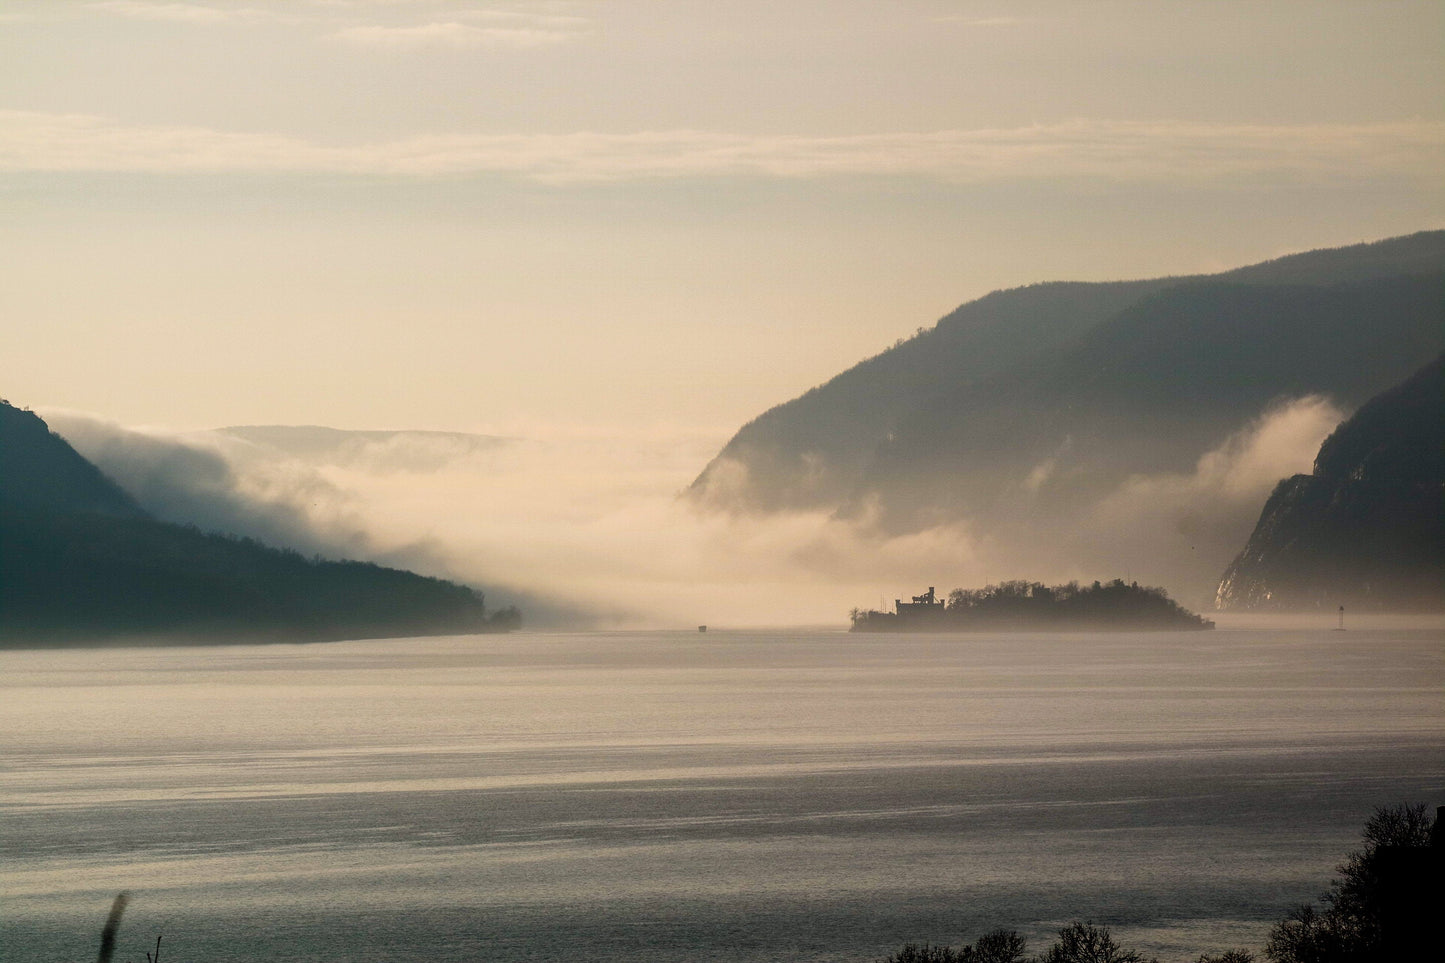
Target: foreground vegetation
(1382, 907)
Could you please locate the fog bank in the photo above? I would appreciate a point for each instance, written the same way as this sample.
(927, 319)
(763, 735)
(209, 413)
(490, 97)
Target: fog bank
(568, 519)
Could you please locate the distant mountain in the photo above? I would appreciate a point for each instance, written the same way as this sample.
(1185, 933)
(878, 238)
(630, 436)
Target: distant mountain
(397, 450)
(1154, 387)
(80, 563)
(814, 450)
(1023, 412)
(1367, 528)
(1007, 380)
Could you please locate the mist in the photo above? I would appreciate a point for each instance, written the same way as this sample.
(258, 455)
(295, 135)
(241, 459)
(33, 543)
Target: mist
(1181, 530)
(582, 525)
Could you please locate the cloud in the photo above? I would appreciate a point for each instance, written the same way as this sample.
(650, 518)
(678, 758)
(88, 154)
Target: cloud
(1113, 151)
(1039, 475)
(966, 21)
(460, 29)
(180, 12)
(554, 20)
(454, 35)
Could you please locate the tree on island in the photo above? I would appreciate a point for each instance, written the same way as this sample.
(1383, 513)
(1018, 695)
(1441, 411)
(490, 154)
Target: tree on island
(1032, 605)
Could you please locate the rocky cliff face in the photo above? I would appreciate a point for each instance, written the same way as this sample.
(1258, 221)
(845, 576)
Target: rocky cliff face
(1367, 528)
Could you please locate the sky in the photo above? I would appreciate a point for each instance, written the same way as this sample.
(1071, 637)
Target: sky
(474, 215)
(623, 228)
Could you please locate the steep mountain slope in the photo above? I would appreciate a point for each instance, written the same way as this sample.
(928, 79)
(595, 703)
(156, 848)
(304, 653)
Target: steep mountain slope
(42, 471)
(1154, 388)
(79, 563)
(983, 382)
(1367, 527)
(813, 450)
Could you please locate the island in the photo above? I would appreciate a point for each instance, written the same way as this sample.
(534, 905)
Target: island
(1032, 606)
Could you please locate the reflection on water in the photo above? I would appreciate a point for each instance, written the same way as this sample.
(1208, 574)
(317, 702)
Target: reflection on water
(738, 796)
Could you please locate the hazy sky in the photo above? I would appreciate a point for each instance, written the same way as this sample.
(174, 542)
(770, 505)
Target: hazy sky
(489, 216)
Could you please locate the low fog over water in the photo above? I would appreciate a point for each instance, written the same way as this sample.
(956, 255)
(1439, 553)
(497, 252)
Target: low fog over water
(573, 521)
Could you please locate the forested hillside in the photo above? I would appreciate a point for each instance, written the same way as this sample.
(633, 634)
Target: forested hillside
(1139, 374)
(80, 563)
(1058, 429)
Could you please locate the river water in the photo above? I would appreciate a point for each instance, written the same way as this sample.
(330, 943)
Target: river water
(734, 796)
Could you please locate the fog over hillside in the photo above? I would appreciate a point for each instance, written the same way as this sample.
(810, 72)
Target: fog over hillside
(1126, 427)
(82, 563)
(1056, 432)
(1366, 528)
(564, 526)
(572, 523)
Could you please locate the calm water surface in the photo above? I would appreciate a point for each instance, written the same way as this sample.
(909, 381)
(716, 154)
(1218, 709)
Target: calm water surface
(739, 796)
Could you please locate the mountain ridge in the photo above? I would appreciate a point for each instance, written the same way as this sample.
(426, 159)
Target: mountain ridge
(814, 450)
(1025, 422)
(54, 475)
(81, 564)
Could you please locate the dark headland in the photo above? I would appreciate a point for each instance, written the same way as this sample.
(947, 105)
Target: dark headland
(1366, 528)
(82, 563)
(1032, 606)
